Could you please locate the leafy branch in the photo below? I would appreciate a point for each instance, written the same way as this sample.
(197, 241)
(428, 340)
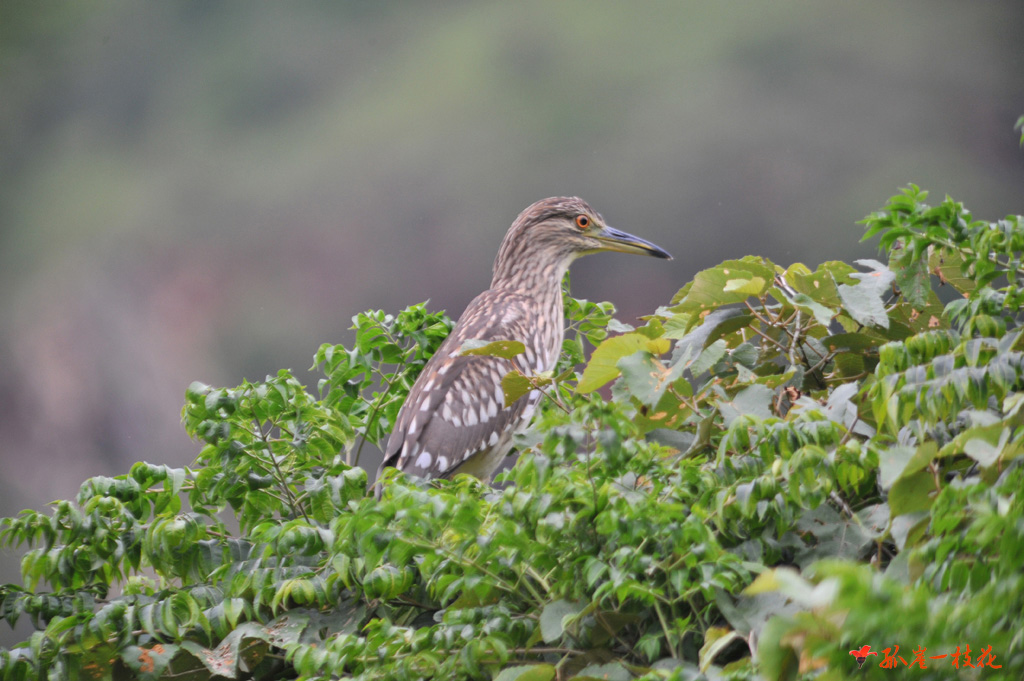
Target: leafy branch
(745, 484)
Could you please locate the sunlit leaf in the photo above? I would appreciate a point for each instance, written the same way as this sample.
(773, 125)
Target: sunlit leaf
(506, 349)
(754, 286)
(712, 288)
(715, 642)
(602, 366)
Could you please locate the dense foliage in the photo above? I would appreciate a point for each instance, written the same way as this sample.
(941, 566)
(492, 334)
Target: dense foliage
(789, 464)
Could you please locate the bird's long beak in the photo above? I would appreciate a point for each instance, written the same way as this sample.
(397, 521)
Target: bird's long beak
(614, 240)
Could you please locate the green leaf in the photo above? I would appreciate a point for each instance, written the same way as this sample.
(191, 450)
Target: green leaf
(851, 342)
(902, 461)
(820, 285)
(754, 400)
(911, 493)
(514, 385)
(912, 275)
(715, 641)
(834, 536)
(749, 612)
(646, 378)
(791, 583)
(287, 628)
(864, 301)
(986, 445)
(602, 366)
(754, 286)
(822, 314)
(708, 358)
(220, 662)
(779, 660)
(612, 671)
(553, 618)
(506, 349)
(149, 661)
(892, 463)
(731, 282)
(532, 672)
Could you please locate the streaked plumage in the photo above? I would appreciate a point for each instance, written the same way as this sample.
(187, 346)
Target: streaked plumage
(455, 419)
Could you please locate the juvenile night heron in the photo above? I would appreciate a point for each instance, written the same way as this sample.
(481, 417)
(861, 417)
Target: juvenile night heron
(455, 419)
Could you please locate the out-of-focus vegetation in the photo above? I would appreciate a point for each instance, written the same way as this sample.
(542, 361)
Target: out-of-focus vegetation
(793, 463)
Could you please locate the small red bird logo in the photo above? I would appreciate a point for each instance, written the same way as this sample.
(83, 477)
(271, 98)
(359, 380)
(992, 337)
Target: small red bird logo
(861, 654)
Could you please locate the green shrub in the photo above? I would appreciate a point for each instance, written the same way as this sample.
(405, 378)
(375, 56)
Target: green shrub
(789, 463)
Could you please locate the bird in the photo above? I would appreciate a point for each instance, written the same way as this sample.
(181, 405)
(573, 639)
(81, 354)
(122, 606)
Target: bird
(455, 419)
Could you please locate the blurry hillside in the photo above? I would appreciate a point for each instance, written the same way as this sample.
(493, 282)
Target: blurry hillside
(210, 190)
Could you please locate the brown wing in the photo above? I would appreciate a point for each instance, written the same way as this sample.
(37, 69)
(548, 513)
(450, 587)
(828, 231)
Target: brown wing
(456, 407)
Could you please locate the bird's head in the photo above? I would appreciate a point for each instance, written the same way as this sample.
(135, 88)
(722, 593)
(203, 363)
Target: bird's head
(560, 229)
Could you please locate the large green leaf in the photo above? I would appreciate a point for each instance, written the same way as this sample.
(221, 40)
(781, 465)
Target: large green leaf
(514, 385)
(834, 536)
(864, 301)
(150, 661)
(506, 349)
(948, 266)
(912, 276)
(612, 671)
(985, 444)
(716, 640)
(554, 617)
(530, 672)
(823, 315)
(731, 282)
(821, 285)
(603, 364)
(912, 492)
(754, 400)
(646, 378)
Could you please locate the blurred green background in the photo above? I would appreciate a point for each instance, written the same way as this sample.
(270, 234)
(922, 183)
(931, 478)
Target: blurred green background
(208, 191)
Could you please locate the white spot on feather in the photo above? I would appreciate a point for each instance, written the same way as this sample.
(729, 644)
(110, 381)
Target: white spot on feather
(493, 439)
(470, 417)
(424, 459)
(531, 405)
(442, 463)
(544, 362)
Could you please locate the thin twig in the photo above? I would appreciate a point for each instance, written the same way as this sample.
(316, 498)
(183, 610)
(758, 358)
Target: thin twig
(282, 481)
(841, 503)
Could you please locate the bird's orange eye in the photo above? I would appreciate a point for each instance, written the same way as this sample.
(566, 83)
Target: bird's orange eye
(582, 221)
